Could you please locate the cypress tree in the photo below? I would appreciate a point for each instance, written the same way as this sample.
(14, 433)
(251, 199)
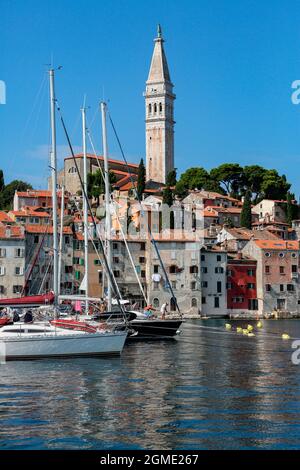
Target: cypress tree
(246, 219)
(141, 180)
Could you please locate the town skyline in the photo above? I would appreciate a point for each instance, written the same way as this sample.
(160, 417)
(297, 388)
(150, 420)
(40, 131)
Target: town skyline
(265, 125)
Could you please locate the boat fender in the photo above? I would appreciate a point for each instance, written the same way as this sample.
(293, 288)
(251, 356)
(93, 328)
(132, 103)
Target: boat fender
(285, 336)
(245, 332)
(259, 324)
(239, 329)
(249, 327)
(227, 326)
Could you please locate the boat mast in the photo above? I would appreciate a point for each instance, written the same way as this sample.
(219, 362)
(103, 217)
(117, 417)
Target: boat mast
(54, 185)
(85, 211)
(61, 236)
(107, 200)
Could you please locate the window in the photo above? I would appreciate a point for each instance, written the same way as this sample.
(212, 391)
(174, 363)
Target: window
(2, 290)
(67, 240)
(72, 170)
(155, 268)
(2, 252)
(173, 269)
(97, 262)
(19, 271)
(193, 285)
(250, 285)
(203, 300)
(217, 302)
(155, 302)
(267, 254)
(155, 107)
(149, 108)
(2, 270)
(202, 257)
(281, 269)
(100, 277)
(268, 287)
(229, 285)
(117, 273)
(142, 259)
(281, 255)
(143, 246)
(173, 284)
(230, 273)
(267, 269)
(143, 273)
(204, 269)
(173, 303)
(19, 252)
(252, 304)
(290, 287)
(36, 239)
(204, 284)
(194, 302)
(250, 272)
(77, 275)
(17, 289)
(219, 270)
(219, 258)
(115, 246)
(115, 259)
(68, 269)
(281, 287)
(294, 255)
(219, 287)
(238, 300)
(193, 269)
(294, 268)
(160, 107)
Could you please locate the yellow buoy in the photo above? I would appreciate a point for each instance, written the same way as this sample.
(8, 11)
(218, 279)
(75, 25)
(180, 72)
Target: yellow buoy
(239, 329)
(245, 332)
(249, 327)
(285, 336)
(251, 334)
(227, 326)
(259, 324)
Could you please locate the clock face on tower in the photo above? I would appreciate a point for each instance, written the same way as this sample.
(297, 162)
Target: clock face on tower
(159, 104)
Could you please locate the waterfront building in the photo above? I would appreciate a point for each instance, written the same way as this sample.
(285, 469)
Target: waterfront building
(12, 260)
(241, 285)
(30, 215)
(35, 198)
(277, 274)
(212, 278)
(234, 239)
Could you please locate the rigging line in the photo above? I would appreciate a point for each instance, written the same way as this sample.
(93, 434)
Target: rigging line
(27, 276)
(107, 267)
(120, 225)
(142, 212)
(45, 275)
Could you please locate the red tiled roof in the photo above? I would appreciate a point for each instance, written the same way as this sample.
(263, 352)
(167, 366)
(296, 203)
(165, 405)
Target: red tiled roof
(11, 231)
(277, 244)
(45, 229)
(4, 217)
(100, 157)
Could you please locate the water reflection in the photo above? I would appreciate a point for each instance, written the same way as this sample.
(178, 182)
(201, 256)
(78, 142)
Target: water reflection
(211, 389)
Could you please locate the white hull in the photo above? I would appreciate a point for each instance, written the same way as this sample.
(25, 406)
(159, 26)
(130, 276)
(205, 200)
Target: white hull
(67, 345)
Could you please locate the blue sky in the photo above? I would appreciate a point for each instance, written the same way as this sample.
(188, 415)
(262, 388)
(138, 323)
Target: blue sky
(232, 63)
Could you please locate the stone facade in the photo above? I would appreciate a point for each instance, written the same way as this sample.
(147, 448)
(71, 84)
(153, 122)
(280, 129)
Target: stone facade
(159, 109)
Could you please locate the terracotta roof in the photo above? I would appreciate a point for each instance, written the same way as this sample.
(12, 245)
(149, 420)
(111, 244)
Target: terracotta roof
(28, 213)
(11, 231)
(277, 244)
(4, 217)
(100, 157)
(45, 228)
(38, 193)
(228, 210)
(210, 213)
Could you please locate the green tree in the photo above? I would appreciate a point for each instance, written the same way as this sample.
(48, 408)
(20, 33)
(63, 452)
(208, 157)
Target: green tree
(198, 177)
(171, 179)
(230, 175)
(7, 194)
(274, 186)
(96, 185)
(141, 180)
(168, 196)
(291, 209)
(246, 218)
(2, 185)
(181, 190)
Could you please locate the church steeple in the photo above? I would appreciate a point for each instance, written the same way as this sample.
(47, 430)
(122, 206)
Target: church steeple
(159, 100)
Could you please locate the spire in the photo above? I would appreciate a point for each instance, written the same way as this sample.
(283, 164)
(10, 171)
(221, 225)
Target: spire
(159, 70)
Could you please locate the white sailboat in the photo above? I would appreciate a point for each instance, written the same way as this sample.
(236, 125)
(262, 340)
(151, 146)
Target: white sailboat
(34, 341)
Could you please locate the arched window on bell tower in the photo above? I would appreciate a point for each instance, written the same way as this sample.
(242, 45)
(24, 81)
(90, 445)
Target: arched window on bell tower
(160, 107)
(149, 108)
(155, 108)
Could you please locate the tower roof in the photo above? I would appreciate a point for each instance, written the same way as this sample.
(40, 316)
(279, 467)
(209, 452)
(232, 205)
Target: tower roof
(159, 70)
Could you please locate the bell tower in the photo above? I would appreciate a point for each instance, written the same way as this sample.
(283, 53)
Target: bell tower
(159, 102)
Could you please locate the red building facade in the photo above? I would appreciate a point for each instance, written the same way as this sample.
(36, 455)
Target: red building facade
(241, 284)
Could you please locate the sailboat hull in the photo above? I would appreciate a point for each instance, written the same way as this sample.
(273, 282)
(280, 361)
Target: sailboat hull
(102, 344)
